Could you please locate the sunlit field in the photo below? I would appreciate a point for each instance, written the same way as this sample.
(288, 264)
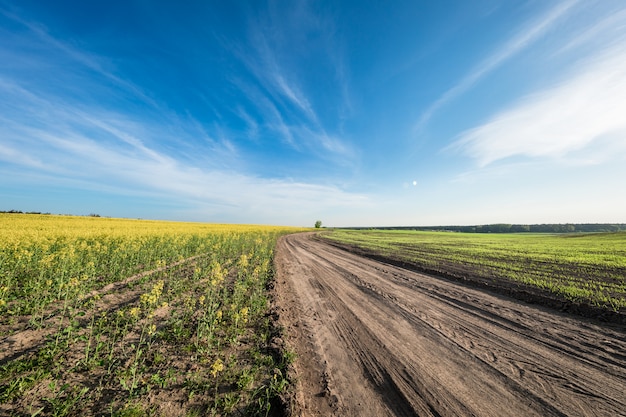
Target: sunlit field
(130, 317)
(588, 268)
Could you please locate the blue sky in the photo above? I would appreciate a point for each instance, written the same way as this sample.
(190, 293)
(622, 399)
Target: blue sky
(359, 113)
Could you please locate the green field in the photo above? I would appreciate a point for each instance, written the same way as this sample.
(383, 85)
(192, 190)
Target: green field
(582, 268)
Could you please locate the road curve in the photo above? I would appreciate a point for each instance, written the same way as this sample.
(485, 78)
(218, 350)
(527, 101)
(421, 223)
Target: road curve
(372, 340)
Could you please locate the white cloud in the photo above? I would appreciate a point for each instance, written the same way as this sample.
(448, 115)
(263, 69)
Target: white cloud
(252, 124)
(14, 156)
(584, 112)
(596, 35)
(69, 55)
(95, 149)
(263, 64)
(279, 69)
(292, 92)
(300, 135)
(523, 39)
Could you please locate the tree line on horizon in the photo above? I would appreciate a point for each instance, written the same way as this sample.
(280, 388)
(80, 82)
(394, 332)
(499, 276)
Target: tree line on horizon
(517, 228)
(485, 228)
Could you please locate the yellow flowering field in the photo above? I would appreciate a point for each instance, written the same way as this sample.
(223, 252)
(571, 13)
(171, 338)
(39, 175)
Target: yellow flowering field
(133, 317)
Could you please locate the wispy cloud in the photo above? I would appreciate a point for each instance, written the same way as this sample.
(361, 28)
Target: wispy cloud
(605, 31)
(581, 112)
(60, 50)
(292, 92)
(63, 151)
(523, 39)
(263, 63)
(252, 132)
(85, 146)
(279, 72)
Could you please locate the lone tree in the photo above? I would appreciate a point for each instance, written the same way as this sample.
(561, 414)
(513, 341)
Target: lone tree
(318, 224)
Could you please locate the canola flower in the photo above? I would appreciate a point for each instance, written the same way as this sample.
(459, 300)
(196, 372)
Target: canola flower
(45, 258)
(52, 261)
(134, 312)
(217, 367)
(3, 291)
(243, 314)
(217, 274)
(151, 299)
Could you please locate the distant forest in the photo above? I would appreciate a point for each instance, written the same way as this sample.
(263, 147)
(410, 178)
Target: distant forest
(516, 228)
(21, 212)
(486, 228)
(38, 212)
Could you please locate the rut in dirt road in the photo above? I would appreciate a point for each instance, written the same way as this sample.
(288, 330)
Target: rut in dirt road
(373, 339)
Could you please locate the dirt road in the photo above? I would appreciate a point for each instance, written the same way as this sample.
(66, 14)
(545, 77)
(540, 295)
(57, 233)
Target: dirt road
(376, 340)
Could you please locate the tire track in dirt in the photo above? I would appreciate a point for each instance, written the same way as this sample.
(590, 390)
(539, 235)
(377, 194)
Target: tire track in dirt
(374, 339)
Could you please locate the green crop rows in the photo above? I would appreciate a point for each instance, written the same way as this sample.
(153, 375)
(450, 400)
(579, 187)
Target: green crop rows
(588, 268)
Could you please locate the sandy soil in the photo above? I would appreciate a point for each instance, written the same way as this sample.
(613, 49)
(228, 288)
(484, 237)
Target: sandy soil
(373, 339)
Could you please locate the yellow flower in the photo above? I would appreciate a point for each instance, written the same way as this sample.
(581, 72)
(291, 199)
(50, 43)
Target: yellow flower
(217, 367)
(134, 312)
(151, 298)
(243, 261)
(217, 273)
(244, 314)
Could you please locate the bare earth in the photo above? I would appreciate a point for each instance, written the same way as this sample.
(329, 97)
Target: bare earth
(374, 340)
